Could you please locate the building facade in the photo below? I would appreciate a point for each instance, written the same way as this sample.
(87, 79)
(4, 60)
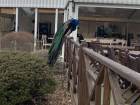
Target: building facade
(29, 15)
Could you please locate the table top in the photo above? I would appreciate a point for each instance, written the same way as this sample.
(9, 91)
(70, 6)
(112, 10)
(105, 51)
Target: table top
(50, 38)
(109, 41)
(118, 47)
(134, 52)
(89, 39)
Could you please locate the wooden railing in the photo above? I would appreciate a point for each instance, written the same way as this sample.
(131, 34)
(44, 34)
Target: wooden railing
(81, 77)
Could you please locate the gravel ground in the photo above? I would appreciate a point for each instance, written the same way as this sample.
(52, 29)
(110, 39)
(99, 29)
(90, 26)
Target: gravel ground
(61, 96)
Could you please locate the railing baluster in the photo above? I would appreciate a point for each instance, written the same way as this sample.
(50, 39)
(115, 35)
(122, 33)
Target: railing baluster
(116, 92)
(74, 70)
(89, 81)
(107, 89)
(98, 95)
(86, 93)
(70, 60)
(98, 81)
(80, 76)
(67, 53)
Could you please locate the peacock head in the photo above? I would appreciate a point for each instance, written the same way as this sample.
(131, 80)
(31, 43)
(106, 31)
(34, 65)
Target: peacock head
(75, 22)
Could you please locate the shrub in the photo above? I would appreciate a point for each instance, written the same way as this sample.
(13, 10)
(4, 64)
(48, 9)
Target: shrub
(20, 40)
(22, 76)
(43, 54)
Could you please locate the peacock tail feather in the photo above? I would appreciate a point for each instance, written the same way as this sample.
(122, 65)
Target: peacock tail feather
(56, 46)
(64, 30)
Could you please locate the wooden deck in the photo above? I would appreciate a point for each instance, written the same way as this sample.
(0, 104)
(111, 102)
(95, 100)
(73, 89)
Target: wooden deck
(89, 88)
(74, 96)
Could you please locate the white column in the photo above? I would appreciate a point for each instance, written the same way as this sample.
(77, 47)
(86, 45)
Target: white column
(16, 25)
(65, 18)
(75, 16)
(70, 10)
(35, 28)
(66, 13)
(56, 20)
(70, 15)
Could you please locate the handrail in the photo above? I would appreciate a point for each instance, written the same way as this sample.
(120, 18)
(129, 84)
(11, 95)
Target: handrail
(80, 75)
(75, 43)
(125, 72)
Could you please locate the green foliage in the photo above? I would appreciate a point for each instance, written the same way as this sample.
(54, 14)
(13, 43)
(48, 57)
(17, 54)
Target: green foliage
(22, 76)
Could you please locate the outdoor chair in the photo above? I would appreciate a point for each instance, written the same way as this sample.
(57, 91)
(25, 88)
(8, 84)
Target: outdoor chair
(133, 41)
(137, 47)
(133, 44)
(123, 56)
(123, 60)
(111, 55)
(133, 63)
(45, 44)
(97, 47)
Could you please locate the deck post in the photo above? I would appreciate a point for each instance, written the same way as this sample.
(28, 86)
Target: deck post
(16, 20)
(81, 87)
(65, 13)
(35, 28)
(56, 20)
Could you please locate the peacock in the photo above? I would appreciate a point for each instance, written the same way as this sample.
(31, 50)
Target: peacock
(64, 30)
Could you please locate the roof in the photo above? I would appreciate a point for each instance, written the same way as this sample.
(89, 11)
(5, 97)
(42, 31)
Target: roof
(59, 3)
(131, 2)
(34, 3)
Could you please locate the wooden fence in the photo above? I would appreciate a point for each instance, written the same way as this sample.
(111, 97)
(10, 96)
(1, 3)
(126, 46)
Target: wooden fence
(81, 77)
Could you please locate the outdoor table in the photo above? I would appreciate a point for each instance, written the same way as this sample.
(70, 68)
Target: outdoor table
(89, 39)
(134, 52)
(82, 40)
(50, 38)
(118, 47)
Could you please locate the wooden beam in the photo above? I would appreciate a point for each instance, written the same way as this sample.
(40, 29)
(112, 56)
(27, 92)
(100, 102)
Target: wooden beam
(109, 19)
(8, 11)
(116, 91)
(98, 95)
(132, 14)
(98, 82)
(107, 88)
(127, 31)
(60, 11)
(49, 11)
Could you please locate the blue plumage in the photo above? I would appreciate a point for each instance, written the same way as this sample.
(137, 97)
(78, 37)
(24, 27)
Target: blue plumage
(75, 22)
